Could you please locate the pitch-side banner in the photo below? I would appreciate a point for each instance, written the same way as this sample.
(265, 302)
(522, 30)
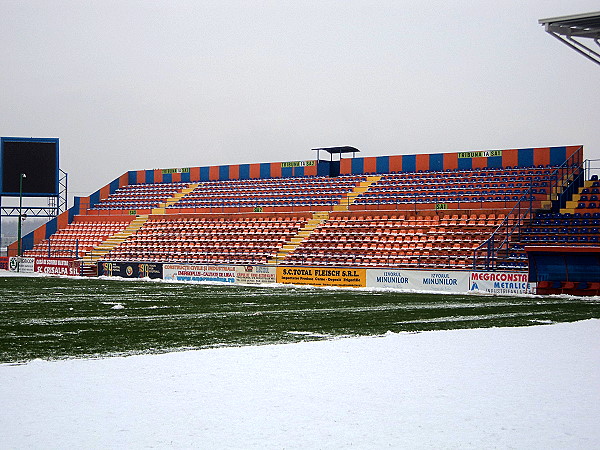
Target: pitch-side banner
(255, 274)
(199, 273)
(21, 264)
(130, 269)
(222, 274)
(321, 276)
(500, 282)
(422, 280)
(57, 266)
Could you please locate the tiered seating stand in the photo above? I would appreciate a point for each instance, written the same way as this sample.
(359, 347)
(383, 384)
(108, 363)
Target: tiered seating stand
(428, 239)
(80, 237)
(210, 238)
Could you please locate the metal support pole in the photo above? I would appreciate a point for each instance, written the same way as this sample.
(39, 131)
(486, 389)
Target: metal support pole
(19, 249)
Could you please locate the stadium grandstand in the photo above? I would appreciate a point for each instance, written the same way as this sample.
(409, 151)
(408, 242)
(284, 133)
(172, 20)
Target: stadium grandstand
(475, 210)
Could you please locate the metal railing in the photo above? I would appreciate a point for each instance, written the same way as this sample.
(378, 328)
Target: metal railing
(566, 179)
(592, 167)
(564, 182)
(500, 239)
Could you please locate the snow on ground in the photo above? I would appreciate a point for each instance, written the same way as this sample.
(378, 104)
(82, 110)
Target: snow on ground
(533, 387)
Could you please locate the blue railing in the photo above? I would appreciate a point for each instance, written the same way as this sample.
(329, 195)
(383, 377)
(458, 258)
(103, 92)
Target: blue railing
(565, 181)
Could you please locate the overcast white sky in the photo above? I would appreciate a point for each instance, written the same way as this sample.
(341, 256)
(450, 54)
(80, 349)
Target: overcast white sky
(131, 85)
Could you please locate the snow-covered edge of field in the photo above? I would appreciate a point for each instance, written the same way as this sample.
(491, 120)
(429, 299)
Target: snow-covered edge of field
(529, 387)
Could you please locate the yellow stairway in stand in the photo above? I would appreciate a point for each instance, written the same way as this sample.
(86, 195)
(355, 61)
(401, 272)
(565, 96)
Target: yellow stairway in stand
(317, 219)
(162, 208)
(350, 197)
(571, 205)
(98, 252)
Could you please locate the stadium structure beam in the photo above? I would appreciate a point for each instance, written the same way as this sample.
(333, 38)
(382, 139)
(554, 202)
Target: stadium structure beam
(337, 151)
(13, 211)
(583, 26)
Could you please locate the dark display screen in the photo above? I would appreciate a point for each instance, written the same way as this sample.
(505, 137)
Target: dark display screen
(37, 160)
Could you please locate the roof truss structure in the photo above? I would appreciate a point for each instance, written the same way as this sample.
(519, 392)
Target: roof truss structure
(580, 26)
(337, 151)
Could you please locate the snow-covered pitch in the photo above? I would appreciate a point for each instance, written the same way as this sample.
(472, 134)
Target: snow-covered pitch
(533, 387)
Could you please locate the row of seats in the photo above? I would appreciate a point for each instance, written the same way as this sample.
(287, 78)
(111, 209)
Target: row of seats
(408, 199)
(429, 239)
(588, 205)
(561, 239)
(487, 185)
(406, 188)
(140, 196)
(255, 202)
(279, 192)
(186, 258)
(567, 228)
(202, 240)
(405, 222)
(77, 238)
(450, 261)
(569, 287)
(462, 174)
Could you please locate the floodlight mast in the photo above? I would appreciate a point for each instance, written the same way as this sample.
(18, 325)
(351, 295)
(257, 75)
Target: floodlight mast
(566, 28)
(21, 176)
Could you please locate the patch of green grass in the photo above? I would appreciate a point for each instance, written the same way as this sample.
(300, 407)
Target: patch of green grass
(63, 318)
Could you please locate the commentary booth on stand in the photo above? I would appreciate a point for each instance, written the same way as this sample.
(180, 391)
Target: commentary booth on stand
(331, 168)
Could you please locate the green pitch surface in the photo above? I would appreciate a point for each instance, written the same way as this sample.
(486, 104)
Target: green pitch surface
(64, 318)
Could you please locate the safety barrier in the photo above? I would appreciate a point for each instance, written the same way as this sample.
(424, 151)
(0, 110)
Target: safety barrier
(448, 281)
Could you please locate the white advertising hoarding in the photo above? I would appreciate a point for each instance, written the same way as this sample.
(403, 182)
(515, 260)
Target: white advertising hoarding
(198, 273)
(222, 274)
(422, 280)
(500, 282)
(21, 264)
(255, 274)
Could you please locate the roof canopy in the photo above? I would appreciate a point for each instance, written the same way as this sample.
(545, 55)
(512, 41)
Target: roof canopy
(586, 26)
(337, 150)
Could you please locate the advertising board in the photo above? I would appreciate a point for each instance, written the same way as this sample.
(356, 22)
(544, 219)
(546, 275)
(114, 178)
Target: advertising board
(298, 164)
(480, 154)
(130, 269)
(422, 280)
(419, 280)
(322, 276)
(500, 282)
(255, 274)
(199, 272)
(21, 264)
(57, 266)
